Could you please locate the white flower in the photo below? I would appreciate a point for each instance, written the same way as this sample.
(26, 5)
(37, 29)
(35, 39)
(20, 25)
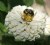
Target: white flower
(22, 30)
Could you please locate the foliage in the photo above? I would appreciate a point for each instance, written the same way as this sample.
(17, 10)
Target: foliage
(3, 29)
(6, 5)
(2, 7)
(28, 3)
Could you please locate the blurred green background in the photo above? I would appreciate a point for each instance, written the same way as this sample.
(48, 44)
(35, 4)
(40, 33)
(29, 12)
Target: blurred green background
(5, 39)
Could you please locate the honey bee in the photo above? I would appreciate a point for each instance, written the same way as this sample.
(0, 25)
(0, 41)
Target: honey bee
(28, 15)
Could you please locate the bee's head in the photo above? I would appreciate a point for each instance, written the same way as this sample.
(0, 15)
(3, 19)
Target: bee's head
(29, 11)
(28, 15)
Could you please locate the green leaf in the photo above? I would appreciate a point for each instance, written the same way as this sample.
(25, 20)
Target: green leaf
(28, 2)
(41, 2)
(3, 7)
(3, 29)
(13, 3)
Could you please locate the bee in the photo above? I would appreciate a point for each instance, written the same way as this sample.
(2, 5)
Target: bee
(28, 15)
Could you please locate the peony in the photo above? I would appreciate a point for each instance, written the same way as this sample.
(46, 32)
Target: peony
(27, 23)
